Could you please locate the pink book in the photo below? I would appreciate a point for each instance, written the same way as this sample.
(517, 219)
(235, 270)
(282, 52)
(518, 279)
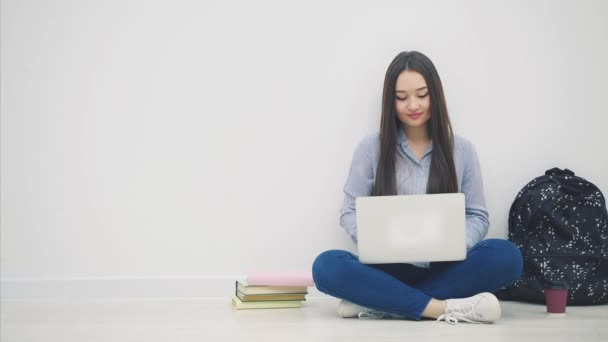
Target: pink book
(289, 278)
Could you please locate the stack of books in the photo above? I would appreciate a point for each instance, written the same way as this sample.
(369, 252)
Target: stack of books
(265, 290)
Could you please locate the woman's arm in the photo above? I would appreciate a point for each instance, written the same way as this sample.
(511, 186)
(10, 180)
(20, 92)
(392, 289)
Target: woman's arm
(475, 202)
(360, 182)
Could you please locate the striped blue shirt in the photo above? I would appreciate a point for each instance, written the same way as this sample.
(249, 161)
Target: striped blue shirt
(412, 177)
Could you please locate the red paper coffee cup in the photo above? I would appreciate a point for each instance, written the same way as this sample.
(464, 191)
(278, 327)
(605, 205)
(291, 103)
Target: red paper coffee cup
(556, 296)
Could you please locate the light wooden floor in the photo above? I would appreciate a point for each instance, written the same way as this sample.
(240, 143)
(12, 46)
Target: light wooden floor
(209, 320)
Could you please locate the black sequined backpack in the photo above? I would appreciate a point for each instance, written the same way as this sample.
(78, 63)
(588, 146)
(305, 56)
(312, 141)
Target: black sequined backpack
(560, 224)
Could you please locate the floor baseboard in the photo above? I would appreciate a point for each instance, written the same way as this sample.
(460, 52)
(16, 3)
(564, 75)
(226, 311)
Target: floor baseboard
(122, 287)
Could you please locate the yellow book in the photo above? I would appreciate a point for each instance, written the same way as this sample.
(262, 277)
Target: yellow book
(240, 305)
(269, 297)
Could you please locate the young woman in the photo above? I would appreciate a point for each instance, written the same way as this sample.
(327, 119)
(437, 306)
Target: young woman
(416, 152)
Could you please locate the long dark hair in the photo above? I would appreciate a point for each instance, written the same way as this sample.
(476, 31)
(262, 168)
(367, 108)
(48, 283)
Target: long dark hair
(442, 176)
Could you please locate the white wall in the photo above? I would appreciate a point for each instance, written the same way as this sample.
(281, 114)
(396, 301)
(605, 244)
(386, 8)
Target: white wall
(200, 139)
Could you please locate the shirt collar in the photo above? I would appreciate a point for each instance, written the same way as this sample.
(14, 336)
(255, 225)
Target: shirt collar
(401, 137)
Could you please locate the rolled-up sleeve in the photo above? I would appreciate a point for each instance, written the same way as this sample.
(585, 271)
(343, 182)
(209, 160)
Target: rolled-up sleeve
(360, 182)
(472, 186)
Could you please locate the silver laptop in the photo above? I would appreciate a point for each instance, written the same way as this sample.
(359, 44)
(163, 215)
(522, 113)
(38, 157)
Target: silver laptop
(411, 228)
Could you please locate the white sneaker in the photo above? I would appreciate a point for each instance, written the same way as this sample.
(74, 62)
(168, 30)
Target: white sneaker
(481, 308)
(347, 309)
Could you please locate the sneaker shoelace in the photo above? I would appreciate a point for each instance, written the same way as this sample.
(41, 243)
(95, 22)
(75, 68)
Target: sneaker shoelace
(461, 312)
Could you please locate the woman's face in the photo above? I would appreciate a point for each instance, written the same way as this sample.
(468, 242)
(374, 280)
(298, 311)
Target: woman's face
(412, 100)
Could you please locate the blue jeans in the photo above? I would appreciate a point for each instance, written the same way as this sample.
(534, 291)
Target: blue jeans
(406, 290)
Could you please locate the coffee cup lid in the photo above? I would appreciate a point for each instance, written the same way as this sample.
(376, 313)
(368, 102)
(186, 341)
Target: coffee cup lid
(556, 284)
